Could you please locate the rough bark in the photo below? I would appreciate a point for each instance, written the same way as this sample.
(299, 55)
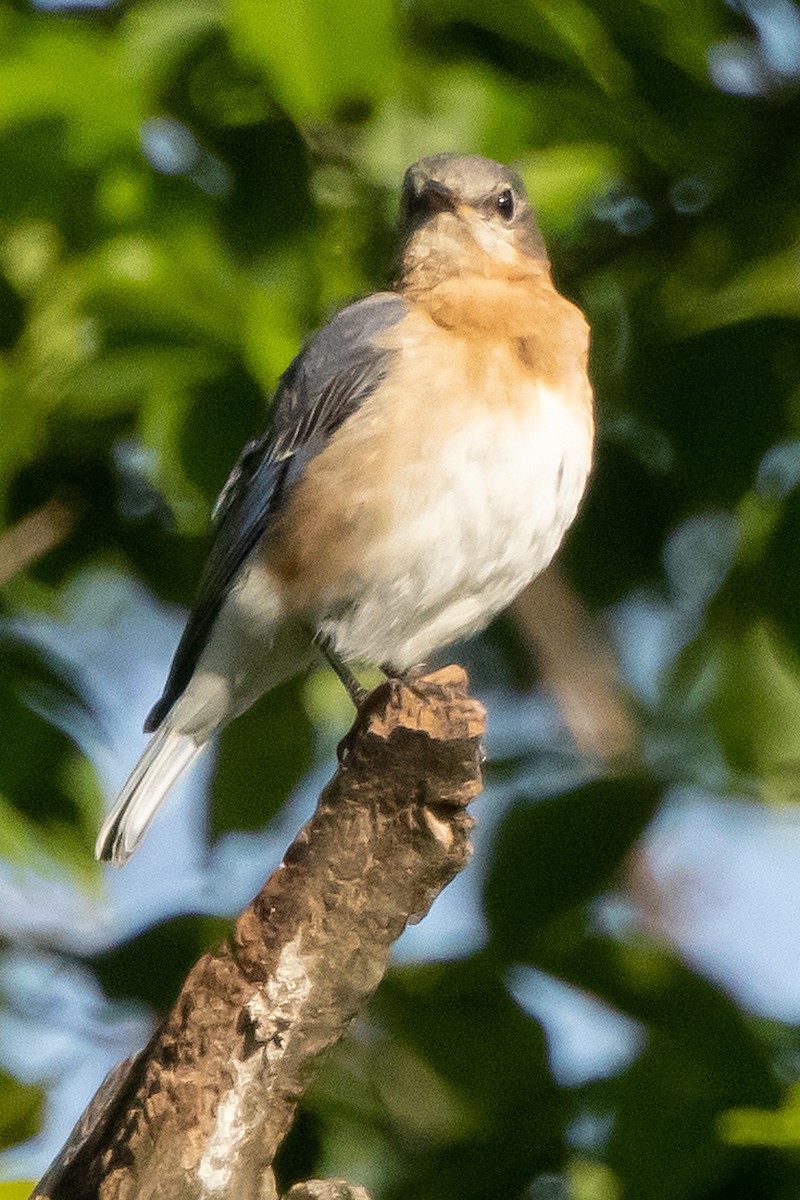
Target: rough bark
(203, 1110)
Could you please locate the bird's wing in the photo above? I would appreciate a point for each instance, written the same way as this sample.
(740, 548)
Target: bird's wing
(331, 377)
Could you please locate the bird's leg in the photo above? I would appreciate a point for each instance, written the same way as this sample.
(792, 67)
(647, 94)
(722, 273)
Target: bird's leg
(355, 691)
(408, 677)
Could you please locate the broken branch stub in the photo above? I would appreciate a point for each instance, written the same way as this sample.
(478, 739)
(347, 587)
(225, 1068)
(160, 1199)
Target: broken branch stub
(207, 1105)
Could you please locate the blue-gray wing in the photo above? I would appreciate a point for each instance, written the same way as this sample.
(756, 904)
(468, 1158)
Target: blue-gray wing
(330, 378)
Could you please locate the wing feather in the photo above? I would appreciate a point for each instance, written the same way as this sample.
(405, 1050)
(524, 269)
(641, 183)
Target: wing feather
(328, 381)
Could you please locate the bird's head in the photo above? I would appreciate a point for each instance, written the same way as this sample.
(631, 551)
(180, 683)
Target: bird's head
(464, 215)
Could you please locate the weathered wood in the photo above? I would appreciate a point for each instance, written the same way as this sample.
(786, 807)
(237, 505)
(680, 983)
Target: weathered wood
(203, 1111)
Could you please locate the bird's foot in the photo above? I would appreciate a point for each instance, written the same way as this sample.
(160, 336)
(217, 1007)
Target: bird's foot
(409, 678)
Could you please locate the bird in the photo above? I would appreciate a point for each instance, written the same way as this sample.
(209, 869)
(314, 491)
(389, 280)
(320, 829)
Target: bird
(428, 449)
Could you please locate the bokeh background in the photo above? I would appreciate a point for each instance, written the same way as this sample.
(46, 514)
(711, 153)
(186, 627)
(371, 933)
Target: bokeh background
(606, 1005)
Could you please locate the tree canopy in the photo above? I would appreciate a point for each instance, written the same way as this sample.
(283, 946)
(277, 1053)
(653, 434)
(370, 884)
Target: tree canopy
(187, 190)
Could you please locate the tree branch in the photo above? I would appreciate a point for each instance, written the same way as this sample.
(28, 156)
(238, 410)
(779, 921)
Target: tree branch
(577, 665)
(33, 536)
(203, 1110)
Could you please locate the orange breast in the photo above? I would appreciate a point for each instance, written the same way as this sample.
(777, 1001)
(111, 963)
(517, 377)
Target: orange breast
(341, 512)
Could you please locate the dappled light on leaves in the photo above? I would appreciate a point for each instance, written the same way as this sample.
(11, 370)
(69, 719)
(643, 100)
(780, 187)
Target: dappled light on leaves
(187, 190)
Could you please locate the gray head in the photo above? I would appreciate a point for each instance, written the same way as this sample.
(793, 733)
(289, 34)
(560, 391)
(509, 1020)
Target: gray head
(475, 188)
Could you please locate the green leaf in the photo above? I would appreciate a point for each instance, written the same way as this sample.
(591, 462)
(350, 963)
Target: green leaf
(463, 104)
(766, 287)
(756, 710)
(262, 756)
(158, 34)
(776, 572)
(505, 1113)
(153, 966)
(25, 434)
(20, 1190)
(20, 1112)
(116, 381)
(778, 1127)
(664, 1141)
(459, 1017)
(62, 69)
(702, 1056)
(563, 180)
(184, 288)
(49, 799)
(556, 854)
(702, 1024)
(318, 56)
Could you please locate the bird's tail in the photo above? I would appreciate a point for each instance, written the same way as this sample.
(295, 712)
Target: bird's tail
(166, 757)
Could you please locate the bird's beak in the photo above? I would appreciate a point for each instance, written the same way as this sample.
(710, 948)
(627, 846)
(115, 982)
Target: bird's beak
(435, 197)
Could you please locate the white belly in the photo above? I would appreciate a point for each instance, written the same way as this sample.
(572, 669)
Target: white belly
(475, 521)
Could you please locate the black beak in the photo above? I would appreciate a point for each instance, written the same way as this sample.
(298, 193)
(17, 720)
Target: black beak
(423, 199)
(434, 197)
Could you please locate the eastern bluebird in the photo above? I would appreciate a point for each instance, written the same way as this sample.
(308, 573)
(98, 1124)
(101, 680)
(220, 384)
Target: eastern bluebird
(428, 449)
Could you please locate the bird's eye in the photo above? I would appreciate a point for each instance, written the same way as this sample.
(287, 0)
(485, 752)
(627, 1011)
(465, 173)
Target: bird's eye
(505, 204)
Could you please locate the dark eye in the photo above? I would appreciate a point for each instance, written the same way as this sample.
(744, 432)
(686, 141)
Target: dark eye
(505, 204)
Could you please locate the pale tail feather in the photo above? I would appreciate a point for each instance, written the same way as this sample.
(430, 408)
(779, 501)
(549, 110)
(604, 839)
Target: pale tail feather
(166, 757)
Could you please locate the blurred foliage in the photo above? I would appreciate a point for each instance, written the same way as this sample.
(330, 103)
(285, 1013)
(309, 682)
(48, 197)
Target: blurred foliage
(187, 189)
(49, 801)
(18, 1190)
(20, 1110)
(152, 966)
